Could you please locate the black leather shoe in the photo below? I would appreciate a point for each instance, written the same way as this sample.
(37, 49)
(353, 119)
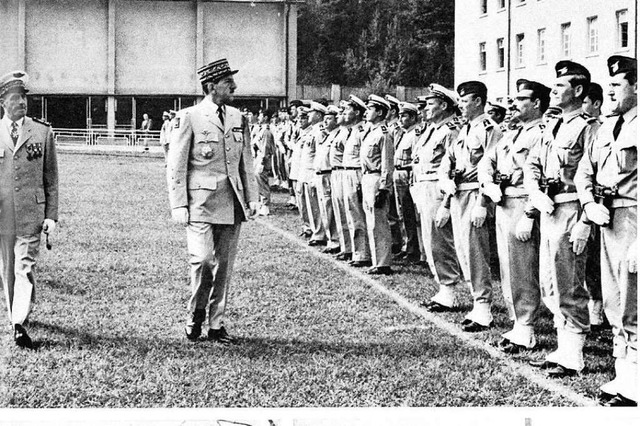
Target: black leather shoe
(559, 372)
(331, 250)
(359, 263)
(396, 248)
(400, 255)
(343, 256)
(314, 243)
(474, 327)
(620, 401)
(21, 337)
(193, 331)
(432, 306)
(221, 336)
(380, 270)
(511, 348)
(542, 364)
(306, 234)
(604, 397)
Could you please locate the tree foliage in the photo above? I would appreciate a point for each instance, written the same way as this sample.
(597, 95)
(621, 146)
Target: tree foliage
(376, 43)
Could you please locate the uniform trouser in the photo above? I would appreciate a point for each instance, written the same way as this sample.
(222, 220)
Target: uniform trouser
(264, 190)
(279, 166)
(619, 286)
(406, 207)
(593, 279)
(379, 230)
(323, 188)
(339, 211)
(355, 214)
(318, 233)
(519, 262)
(438, 243)
(562, 271)
(395, 224)
(474, 249)
(212, 253)
(301, 201)
(17, 261)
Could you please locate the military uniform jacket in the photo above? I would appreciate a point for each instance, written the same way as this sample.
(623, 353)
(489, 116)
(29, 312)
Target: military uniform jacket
(508, 156)
(431, 146)
(29, 179)
(558, 156)
(474, 139)
(376, 155)
(351, 156)
(612, 162)
(264, 147)
(404, 147)
(336, 151)
(322, 162)
(309, 140)
(209, 165)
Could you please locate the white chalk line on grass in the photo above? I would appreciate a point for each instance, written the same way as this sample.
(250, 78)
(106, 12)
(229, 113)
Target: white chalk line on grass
(526, 371)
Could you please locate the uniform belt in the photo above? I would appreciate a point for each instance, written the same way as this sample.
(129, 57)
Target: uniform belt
(404, 168)
(617, 203)
(338, 168)
(468, 186)
(351, 168)
(323, 172)
(372, 172)
(427, 177)
(515, 192)
(565, 197)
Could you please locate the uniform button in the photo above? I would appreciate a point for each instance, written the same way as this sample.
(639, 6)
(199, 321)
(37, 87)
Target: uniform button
(16, 177)
(228, 162)
(17, 189)
(17, 167)
(228, 149)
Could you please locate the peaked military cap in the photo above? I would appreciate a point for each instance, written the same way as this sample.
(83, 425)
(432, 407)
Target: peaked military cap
(173, 112)
(332, 110)
(539, 90)
(317, 106)
(393, 101)
(378, 101)
(13, 81)
(296, 103)
(441, 92)
(472, 87)
(421, 101)
(407, 107)
(618, 64)
(215, 71)
(564, 68)
(303, 111)
(494, 105)
(357, 103)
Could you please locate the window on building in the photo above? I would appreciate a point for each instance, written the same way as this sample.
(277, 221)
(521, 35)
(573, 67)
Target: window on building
(500, 46)
(520, 50)
(483, 7)
(502, 4)
(623, 29)
(565, 39)
(542, 44)
(592, 33)
(483, 57)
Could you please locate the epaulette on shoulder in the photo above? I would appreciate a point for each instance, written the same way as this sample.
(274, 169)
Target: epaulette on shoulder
(418, 131)
(488, 125)
(542, 126)
(384, 129)
(38, 120)
(360, 128)
(589, 119)
(451, 125)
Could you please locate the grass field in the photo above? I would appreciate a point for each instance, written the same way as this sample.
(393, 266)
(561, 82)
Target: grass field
(112, 299)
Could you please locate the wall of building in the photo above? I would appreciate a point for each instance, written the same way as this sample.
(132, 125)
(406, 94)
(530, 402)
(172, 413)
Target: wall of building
(527, 17)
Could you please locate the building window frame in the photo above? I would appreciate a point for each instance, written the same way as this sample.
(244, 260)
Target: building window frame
(482, 47)
(484, 7)
(501, 5)
(565, 40)
(592, 36)
(622, 29)
(520, 50)
(500, 53)
(541, 54)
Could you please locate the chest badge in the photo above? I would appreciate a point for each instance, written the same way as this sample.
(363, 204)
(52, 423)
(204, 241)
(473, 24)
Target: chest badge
(206, 151)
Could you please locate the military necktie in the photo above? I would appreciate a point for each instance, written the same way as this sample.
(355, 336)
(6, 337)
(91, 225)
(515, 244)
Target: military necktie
(14, 132)
(618, 127)
(221, 115)
(554, 132)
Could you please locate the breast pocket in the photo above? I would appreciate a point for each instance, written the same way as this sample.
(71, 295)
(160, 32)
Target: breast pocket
(627, 159)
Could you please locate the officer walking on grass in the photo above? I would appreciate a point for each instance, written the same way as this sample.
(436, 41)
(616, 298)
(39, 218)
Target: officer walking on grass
(211, 192)
(28, 199)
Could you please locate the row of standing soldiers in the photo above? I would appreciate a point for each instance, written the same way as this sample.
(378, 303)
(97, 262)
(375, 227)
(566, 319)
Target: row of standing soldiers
(440, 179)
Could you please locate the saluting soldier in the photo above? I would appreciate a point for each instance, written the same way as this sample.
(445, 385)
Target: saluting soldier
(211, 192)
(607, 183)
(353, 115)
(458, 177)
(28, 199)
(402, 177)
(264, 149)
(518, 238)
(376, 157)
(436, 226)
(549, 172)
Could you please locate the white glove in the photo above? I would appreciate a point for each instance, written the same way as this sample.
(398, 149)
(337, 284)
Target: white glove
(596, 213)
(447, 186)
(579, 236)
(632, 259)
(442, 216)
(253, 208)
(478, 215)
(492, 191)
(524, 228)
(180, 215)
(48, 226)
(541, 201)
(259, 168)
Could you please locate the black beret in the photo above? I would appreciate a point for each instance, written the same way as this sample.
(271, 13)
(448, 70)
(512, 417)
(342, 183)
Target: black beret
(571, 68)
(475, 87)
(539, 90)
(618, 64)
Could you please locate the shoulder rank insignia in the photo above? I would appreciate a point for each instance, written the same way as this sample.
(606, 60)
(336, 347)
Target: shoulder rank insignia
(384, 129)
(360, 128)
(589, 119)
(418, 131)
(451, 125)
(176, 124)
(488, 125)
(542, 126)
(38, 120)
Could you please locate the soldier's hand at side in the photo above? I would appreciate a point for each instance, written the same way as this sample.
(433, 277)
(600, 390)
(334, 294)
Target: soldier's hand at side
(180, 215)
(524, 227)
(48, 226)
(541, 201)
(632, 259)
(478, 215)
(447, 186)
(596, 213)
(442, 216)
(492, 191)
(579, 236)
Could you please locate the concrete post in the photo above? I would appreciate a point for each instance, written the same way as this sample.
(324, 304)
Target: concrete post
(401, 93)
(111, 67)
(336, 92)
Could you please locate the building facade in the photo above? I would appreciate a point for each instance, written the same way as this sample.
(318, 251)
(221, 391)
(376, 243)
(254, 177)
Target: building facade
(105, 63)
(499, 41)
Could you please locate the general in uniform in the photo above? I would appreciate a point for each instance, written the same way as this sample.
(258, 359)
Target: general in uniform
(28, 199)
(211, 191)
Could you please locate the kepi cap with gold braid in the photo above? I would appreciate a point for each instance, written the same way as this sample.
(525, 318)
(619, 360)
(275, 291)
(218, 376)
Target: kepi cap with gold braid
(15, 80)
(215, 71)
